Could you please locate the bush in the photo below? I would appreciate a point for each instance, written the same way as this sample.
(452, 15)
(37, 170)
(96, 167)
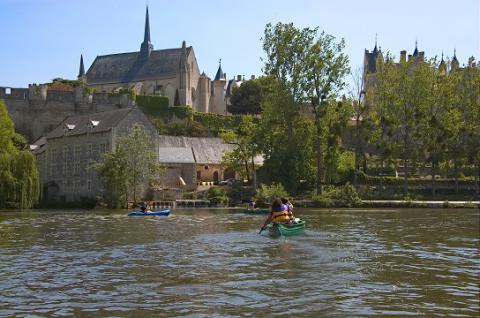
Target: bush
(217, 196)
(238, 193)
(343, 196)
(265, 194)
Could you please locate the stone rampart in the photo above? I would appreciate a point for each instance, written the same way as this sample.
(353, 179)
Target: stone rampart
(36, 110)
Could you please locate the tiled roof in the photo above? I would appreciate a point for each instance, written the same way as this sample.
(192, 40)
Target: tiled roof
(127, 67)
(77, 125)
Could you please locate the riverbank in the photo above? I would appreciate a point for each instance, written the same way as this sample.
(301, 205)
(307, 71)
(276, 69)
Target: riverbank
(398, 204)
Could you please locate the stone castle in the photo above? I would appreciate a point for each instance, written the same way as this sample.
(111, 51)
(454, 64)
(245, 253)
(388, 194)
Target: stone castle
(173, 73)
(370, 62)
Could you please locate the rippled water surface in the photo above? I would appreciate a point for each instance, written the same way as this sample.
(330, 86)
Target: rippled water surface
(204, 263)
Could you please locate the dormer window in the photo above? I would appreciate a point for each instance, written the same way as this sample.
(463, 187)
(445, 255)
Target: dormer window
(92, 124)
(68, 127)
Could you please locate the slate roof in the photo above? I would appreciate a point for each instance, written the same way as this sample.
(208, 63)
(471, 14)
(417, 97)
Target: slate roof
(220, 75)
(205, 150)
(106, 120)
(175, 155)
(127, 67)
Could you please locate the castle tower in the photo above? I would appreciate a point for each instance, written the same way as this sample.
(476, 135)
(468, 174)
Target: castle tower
(370, 64)
(455, 63)
(442, 67)
(415, 52)
(81, 72)
(183, 76)
(147, 47)
(203, 93)
(219, 105)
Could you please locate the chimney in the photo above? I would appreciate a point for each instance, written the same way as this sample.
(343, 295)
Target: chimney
(403, 56)
(252, 77)
(409, 57)
(421, 55)
(239, 78)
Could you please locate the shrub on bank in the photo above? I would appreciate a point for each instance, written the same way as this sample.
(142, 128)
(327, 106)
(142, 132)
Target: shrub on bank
(343, 196)
(217, 196)
(266, 193)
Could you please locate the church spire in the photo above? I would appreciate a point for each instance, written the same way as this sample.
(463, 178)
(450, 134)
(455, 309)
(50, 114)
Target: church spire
(146, 48)
(146, 37)
(375, 49)
(81, 71)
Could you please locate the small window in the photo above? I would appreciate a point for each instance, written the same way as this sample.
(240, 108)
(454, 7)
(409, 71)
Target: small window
(8, 91)
(199, 175)
(206, 167)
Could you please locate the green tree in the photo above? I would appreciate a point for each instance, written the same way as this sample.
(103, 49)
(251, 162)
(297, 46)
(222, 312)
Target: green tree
(246, 99)
(127, 170)
(398, 109)
(440, 127)
(469, 104)
(242, 157)
(310, 66)
(288, 155)
(19, 178)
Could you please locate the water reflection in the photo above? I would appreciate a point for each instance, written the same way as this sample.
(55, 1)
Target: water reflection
(211, 262)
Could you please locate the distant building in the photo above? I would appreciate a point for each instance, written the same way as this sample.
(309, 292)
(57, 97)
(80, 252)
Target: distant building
(370, 62)
(65, 153)
(173, 73)
(191, 161)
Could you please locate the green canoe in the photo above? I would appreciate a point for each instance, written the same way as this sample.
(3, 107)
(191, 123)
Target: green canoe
(281, 229)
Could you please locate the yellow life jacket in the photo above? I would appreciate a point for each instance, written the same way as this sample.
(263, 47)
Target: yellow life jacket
(281, 216)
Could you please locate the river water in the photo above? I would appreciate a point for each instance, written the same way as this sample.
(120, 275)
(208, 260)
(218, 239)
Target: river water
(213, 263)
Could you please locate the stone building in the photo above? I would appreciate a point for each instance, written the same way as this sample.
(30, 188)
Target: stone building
(190, 162)
(370, 62)
(65, 153)
(173, 73)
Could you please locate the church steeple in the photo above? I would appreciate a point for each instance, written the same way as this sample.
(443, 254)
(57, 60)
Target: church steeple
(146, 48)
(81, 71)
(146, 37)
(375, 49)
(415, 52)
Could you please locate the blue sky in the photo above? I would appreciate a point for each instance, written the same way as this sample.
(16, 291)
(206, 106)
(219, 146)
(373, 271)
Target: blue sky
(43, 39)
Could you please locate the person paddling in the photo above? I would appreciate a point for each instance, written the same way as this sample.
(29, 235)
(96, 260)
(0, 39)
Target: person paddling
(278, 214)
(289, 206)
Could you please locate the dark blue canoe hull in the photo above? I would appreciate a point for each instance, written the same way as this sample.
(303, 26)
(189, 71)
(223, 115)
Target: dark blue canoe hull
(155, 213)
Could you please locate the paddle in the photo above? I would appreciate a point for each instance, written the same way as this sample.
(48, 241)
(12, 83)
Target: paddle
(261, 230)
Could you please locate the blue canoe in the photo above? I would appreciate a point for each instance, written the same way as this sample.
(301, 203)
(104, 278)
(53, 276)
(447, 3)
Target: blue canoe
(155, 213)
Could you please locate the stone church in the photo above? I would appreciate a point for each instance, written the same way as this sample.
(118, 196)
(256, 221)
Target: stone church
(173, 73)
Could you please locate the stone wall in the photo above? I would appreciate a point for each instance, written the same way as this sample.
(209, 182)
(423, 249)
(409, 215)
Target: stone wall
(65, 166)
(36, 111)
